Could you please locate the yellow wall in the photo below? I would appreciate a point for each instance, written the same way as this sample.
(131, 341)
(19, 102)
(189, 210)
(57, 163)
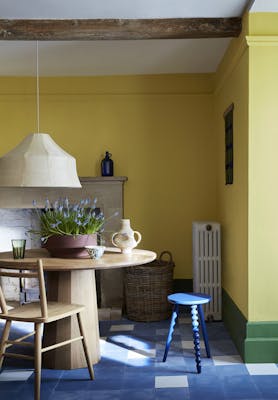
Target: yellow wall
(263, 169)
(262, 24)
(159, 130)
(248, 78)
(231, 86)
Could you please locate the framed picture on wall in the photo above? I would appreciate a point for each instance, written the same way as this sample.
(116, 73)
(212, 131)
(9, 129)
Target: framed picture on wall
(229, 145)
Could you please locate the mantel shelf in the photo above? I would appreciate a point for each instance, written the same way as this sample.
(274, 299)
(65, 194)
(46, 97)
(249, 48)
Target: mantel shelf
(92, 186)
(103, 179)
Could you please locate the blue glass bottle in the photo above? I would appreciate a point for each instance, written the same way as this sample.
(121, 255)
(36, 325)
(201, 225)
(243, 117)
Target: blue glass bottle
(107, 167)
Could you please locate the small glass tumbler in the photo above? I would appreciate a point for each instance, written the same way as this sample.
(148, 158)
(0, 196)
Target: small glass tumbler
(18, 248)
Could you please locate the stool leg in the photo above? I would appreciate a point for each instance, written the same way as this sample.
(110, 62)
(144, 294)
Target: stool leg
(171, 330)
(196, 337)
(204, 329)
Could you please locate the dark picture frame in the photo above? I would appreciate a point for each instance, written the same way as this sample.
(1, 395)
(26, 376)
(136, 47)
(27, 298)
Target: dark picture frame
(229, 144)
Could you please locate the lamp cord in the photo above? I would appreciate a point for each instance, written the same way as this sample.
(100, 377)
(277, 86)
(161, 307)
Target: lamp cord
(38, 86)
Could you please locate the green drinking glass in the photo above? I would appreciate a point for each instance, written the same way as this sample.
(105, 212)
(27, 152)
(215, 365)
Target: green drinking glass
(18, 246)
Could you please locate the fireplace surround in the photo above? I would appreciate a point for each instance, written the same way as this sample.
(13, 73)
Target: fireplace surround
(17, 217)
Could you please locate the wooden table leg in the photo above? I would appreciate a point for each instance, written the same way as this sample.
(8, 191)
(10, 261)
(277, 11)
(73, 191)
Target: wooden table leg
(77, 287)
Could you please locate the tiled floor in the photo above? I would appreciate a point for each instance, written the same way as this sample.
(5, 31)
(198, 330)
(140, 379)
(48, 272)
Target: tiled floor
(131, 369)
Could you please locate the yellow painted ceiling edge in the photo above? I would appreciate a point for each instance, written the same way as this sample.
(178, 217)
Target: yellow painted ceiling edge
(258, 29)
(262, 40)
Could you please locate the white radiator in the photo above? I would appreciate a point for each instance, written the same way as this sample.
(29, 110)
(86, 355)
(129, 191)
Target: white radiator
(207, 266)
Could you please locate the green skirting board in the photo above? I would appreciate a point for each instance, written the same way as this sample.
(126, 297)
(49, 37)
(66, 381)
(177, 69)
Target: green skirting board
(257, 342)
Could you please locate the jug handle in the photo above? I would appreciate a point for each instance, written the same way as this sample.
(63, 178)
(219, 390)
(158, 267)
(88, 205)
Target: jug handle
(112, 238)
(139, 237)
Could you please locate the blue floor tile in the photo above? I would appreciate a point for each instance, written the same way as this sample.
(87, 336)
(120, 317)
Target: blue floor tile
(64, 395)
(11, 386)
(173, 393)
(240, 386)
(267, 385)
(105, 395)
(6, 395)
(27, 392)
(136, 394)
(222, 347)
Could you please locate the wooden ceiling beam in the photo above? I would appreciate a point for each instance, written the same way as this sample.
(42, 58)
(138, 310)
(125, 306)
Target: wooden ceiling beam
(118, 29)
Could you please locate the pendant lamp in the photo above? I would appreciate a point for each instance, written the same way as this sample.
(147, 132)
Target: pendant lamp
(38, 161)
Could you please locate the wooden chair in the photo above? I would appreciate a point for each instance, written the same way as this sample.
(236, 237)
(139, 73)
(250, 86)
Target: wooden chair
(39, 313)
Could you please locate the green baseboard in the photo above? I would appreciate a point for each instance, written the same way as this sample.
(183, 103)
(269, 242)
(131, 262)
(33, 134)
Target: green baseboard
(234, 321)
(261, 343)
(257, 342)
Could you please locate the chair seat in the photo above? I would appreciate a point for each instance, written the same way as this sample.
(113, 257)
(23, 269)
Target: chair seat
(32, 312)
(189, 299)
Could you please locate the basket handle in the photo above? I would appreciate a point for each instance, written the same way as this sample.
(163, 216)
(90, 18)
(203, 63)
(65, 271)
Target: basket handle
(169, 254)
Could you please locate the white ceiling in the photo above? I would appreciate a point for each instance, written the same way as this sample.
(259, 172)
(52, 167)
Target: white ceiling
(265, 6)
(112, 57)
(118, 57)
(120, 8)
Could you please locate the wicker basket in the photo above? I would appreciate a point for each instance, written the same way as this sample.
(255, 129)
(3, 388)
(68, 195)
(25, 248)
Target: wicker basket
(146, 289)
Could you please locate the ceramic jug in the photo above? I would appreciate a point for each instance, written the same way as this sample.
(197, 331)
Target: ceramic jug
(124, 239)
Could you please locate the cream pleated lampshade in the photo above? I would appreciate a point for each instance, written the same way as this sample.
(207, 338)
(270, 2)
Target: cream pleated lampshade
(38, 162)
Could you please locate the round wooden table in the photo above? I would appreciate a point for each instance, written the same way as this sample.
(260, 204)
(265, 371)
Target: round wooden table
(73, 281)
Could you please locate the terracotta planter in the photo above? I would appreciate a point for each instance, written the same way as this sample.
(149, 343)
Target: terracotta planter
(70, 246)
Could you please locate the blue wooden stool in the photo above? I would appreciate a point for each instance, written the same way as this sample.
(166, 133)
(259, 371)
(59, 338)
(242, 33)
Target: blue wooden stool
(195, 300)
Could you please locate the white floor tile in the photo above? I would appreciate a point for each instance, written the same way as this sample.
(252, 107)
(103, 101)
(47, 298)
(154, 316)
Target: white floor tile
(262, 369)
(118, 328)
(15, 375)
(171, 381)
(227, 360)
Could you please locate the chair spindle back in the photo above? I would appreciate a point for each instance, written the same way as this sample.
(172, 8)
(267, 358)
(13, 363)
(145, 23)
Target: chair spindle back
(21, 269)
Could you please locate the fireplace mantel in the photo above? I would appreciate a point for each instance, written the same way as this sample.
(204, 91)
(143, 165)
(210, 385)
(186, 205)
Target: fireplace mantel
(11, 197)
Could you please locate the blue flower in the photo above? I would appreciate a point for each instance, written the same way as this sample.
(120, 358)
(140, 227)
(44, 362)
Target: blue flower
(54, 225)
(47, 205)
